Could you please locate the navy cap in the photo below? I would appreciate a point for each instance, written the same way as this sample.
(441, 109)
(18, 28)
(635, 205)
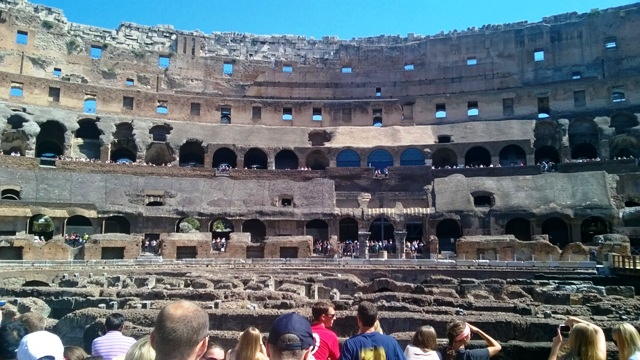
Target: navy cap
(3, 303)
(291, 332)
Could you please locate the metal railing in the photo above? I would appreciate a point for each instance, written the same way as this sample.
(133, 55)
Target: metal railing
(626, 262)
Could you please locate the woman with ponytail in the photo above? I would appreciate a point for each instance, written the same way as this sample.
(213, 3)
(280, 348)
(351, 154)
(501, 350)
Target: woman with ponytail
(459, 334)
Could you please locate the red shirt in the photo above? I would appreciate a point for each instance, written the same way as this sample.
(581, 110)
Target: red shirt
(327, 346)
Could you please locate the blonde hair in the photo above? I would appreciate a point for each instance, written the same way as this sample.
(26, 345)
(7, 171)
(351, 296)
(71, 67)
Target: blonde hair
(425, 338)
(249, 345)
(377, 328)
(583, 342)
(627, 339)
(141, 350)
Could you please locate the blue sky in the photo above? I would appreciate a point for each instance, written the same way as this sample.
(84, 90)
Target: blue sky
(316, 18)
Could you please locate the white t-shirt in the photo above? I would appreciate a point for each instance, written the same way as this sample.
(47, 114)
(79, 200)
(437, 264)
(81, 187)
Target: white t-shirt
(415, 353)
(635, 356)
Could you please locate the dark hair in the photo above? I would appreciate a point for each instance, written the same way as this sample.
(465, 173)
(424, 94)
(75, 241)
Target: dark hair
(425, 338)
(33, 321)
(114, 321)
(179, 328)
(91, 333)
(10, 335)
(320, 308)
(454, 329)
(367, 313)
(74, 353)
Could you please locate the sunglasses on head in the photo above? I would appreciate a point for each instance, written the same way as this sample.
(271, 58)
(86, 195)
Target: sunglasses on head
(331, 315)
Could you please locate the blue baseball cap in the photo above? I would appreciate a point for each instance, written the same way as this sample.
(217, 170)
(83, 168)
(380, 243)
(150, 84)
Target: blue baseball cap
(291, 332)
(3, 303)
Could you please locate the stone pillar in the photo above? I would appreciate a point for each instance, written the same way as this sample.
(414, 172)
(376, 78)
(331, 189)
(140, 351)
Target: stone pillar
(208, 158)
(401, 237)
(105, 152)
(363, 238)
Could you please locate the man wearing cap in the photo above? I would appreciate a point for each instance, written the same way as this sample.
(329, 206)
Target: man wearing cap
(327, 346)
(370, 344)
(39, 345)
(290, 338)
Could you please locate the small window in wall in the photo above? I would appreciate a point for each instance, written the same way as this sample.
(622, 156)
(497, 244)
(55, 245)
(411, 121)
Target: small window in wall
(443, 139)
(162, 107)
(127, 102)
(507, 107)
(346, 70)
(538, 55)
(164, 61)
(95, 52)
(287, 69)
(378, 91)
(543, 107)
(441, 111)
(346, 114)
(90, 104)
(407, 111)
(579, 98)
(610, 43)
(408, 67)
(617, 94)
(472, 108)
(287, 114)
(256, 112)
(130, 82)
(225, 115)
(472, 61)
(377, 117)
(10, 194)
(195, 109)
(483, 201)
(576, 75)
(54, 94)
(154, 200)
(57, 72)
(22, 37)
(286, 201)
(317, 114)
(16, 89)
(227, 68)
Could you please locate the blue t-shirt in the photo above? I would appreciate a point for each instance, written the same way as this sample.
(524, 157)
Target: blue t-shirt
(475, 354)
(371, 346)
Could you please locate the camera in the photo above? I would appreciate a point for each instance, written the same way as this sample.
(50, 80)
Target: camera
(564, 330)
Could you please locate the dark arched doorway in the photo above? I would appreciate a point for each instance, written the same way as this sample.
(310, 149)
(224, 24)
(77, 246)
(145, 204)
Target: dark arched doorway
(448, 232)
(317, 160)
(225, 156)
(444, 158)
(591, 227)
(78, 224)
(477, 156)
(557, 230)
(348, 230)
(380, 159)
(116, 225)
(382, 231)
(512, 155)
(42, 226)
(412, 157)
(255, 159)
(191, 154)
(584, 151)
(50, 140)
(318, 229)
(256, 228)
(520, 228)
(221, 228)
(286, 160)
(546, 154)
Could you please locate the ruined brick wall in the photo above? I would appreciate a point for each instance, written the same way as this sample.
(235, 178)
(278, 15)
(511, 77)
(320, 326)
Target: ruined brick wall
(130, 248)
(505, 248)
(200, 242)
(273, 246)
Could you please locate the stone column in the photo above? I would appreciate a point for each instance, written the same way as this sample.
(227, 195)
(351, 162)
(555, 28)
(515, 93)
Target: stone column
(401, 237)
(363, 238)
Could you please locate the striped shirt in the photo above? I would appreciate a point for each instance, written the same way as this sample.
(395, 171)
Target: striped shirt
(112, 344)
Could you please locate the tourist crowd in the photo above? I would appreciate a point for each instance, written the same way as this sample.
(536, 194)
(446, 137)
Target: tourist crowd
(219, 244)
(151, 246)
(321, 247)
(181, 332)
(75, 240)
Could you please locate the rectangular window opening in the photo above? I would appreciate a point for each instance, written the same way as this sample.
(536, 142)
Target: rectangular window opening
(16, 89)
(287, 68)
(227, 68)
(127, 102)
(130, 82)
(195, 109)
(610, 43)
(287, 114)
(579, 98)
(22, 37)
(576, 75)
(472, 61)
(443, 139)
(54, 94)
(538, 55)
(162, 108)
(407, 111)
(346, 70)
(543, 107)
(256, 112)
(317, 114)
(472, 108)
(95, 52)
(617, 94)
(225, 115)
(57, 72)
(378, 91)
(408, 67)
(346, 114)
(441, 111)
(507, 107)
(164, 61)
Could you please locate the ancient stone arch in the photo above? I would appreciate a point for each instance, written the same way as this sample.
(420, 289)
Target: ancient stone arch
(445, 157)
(191, 154)
(225, 156)
(317, 160)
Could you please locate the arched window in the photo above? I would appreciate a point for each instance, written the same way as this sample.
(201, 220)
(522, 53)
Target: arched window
(512, 155)
(444, 158)
(255, 159)
(557, 230)
(412, 157)
(286, 160)
(117, 225)
(192, 154)
(380, 159)
(348, 230)
(477, 156)
(317, 160)
(318, 229)
(520, 228)
(448, 232)
(256, 228)
(224, 157)
(348, 158)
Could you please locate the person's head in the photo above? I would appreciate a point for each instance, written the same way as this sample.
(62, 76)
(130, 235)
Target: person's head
(114, 322)
(290, 338)
(248, 344)
(33, 321)
(583, 341)
(10, 335)
(74, 353)
(458, 332)
(92, 332)
(367, 314)
(141, 350)
(214, 352)
(180, 332)
(425, 338)
(626, 338)
(40, 344)
(323, 312)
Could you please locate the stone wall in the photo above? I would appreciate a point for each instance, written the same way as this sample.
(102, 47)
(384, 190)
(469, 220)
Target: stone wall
(506, 248)
(197, 245)
(273, 246)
